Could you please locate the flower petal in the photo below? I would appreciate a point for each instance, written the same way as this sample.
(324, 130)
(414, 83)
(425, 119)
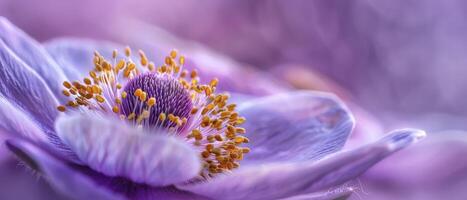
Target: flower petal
(16, 123)
(433, 169)
(23, 86)
(21, 180)
(279, 180)
(295, 126)
(110, 147)
(75, 56)
(336, 193)
(62, 177)
(32, 53)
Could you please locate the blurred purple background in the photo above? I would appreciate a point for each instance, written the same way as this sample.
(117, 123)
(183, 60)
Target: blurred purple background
(404, 61)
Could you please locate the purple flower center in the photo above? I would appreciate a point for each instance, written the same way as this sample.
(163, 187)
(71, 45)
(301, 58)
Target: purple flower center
(171, 98)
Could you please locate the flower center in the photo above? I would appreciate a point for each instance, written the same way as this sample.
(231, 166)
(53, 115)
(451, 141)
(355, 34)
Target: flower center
(166, 97)
(170, 96)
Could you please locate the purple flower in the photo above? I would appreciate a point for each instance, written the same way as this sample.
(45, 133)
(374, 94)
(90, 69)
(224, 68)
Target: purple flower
(134, 130)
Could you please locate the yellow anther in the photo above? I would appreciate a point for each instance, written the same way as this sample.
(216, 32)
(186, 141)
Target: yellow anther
(92, 74)
(209, 147)
(131, 116)
(208, 91)
(127, 51)
(151, 66)
(114, 53)
(163, 69)
(173, 54)
(194, 73)
(106, 66)
(197, 134)
(214, 82)
(87, 81)
(89, 96)
(162, 117)
(118, 101)
(96, 89)
(67, 84)
(177, 69)
(72, 91)
(66, 93)
(124, 94)
(240, 120)
(138, 92)
(231, 107)
(131, 66)
(194, 111)
(218, 137)
(100, 99)
(206, 119)
(168, 60)
(143, 96)
(151, 101)
(126, 73)
(182, 60)
(239, 139)
(61, 108)
(230, 128)
(240, 130)
(115, 109)
(183, 73)
(171, 117)
(205, 154)
(120, 65)
(144, 59)
(118, 86)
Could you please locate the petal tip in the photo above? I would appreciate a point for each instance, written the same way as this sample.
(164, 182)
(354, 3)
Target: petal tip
(401, 138)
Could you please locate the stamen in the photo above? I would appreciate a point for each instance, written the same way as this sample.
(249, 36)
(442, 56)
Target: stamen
(168, 98)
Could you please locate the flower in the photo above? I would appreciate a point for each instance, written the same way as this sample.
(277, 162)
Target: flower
(294, 138)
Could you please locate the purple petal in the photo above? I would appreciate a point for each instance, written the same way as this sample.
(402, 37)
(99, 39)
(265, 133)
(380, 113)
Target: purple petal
(16, 123)
(341, 192)
(27, 91)
(82, 183)
(22, 85)
(62, 177)
(75, 56)
(32, 53)
(295, 126)
(108, 146)
(433, 169)
(280, 180)
(20, 180)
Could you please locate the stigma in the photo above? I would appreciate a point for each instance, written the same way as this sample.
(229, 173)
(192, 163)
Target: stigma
(167, 99)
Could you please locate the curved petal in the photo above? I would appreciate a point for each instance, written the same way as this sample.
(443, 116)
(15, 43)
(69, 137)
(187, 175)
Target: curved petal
(436, 168)
(295, 126)
(335, 193)
(279, 180)
(16, 123)
(62, 177)
(23, 86)
(81, 183)
(32, 53)
(16, 180)
(115, 149)
(75, 56)
(304, 77)
(25, 89)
